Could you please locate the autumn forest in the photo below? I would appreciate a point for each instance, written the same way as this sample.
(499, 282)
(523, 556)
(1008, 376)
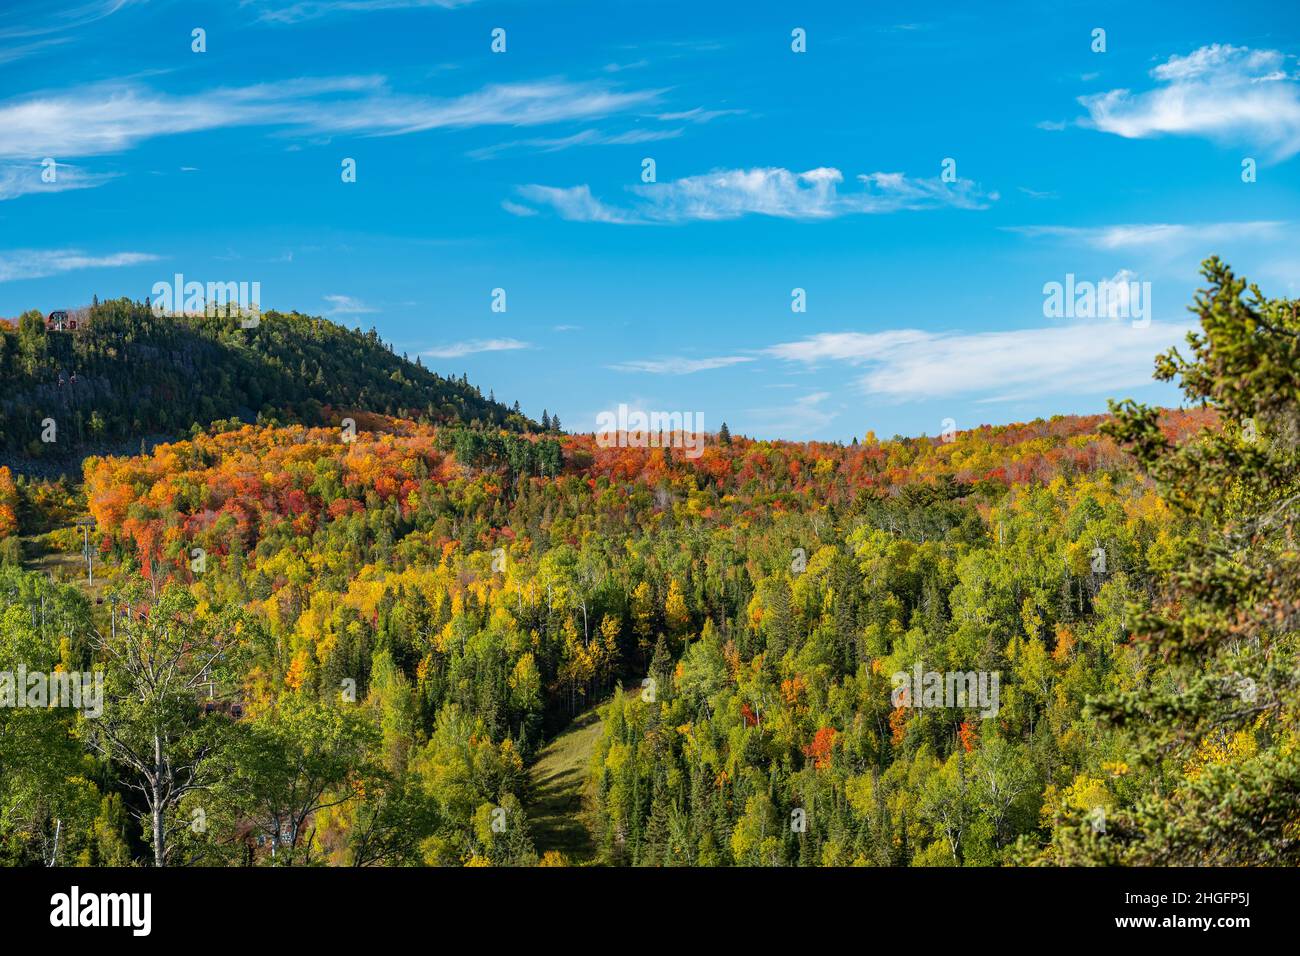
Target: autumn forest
(349, 612)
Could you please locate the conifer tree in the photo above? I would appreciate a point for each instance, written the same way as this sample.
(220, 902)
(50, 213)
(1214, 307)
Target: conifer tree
(1224, 633)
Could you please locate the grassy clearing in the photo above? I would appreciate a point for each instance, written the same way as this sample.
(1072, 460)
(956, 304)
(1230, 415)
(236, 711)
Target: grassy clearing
(556, 812)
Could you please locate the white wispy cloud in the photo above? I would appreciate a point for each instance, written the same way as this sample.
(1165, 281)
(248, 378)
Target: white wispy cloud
(911, 364)
(38, 263)
(1162, 235)
(347, 305)
(767, 191)
(19, 180)
(680, 366)
(18, 51)
(112, 117)
(274, 11)
(851, 347)
(801, 416)
(472, 346)
(697, 115)
(1226, 93)
(576, 203)
(31, 28)
(586, 137)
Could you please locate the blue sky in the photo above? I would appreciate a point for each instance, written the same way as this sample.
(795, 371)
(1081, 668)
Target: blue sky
(775, 170)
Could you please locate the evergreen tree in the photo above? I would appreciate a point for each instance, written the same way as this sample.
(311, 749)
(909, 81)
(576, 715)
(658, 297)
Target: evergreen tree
(1224, 633)
(654, 846)
(661, 669)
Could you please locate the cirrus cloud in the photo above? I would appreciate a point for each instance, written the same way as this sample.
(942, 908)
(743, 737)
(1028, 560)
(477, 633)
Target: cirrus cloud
(347, 305)
(19, 180)
(766, 191)
(113, 117)
(680, 366)
(1164, 235)
(289, 13)
(474, 346)
(39, 263)
(912, 364)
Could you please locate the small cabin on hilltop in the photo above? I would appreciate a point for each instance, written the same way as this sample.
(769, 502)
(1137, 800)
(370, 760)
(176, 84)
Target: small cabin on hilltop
(62, 321)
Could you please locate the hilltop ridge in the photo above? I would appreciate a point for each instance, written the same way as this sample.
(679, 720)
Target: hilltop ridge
(126, 372)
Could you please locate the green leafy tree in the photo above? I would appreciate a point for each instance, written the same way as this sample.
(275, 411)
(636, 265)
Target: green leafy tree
(293, 761)
(158, 654)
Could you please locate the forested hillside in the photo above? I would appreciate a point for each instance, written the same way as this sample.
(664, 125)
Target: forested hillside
(367, 639)
(128, 373)
(477, 607)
